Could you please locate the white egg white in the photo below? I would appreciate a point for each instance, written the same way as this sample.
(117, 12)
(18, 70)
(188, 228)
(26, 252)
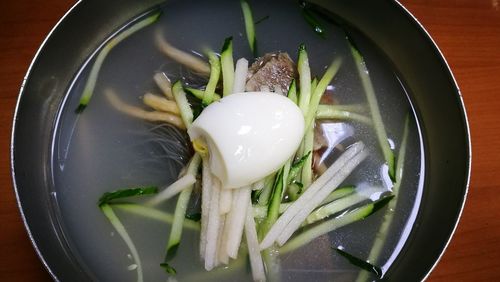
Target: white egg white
(249, 135)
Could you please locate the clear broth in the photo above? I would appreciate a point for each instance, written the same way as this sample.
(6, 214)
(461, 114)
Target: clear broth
(102, 150)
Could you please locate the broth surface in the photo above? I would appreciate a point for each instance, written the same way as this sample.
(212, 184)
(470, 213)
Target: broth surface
(102, 149)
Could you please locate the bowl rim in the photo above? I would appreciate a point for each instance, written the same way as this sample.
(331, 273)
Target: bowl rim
(414, 21)
(443, 60)
(13, 138)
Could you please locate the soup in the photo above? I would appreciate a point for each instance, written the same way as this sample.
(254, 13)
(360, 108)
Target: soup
(102, 149)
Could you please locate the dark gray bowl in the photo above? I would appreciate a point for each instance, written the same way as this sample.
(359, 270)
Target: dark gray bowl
(437, 99)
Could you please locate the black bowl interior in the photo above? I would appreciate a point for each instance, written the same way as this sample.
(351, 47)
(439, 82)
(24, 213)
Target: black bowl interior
(435, 96)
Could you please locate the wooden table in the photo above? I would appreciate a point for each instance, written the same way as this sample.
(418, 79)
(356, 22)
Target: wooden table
(468, 33)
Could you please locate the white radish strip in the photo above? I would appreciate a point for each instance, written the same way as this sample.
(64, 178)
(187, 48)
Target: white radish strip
(206, 186)
(226, 197)
(237, 221)
(230, 220)
(222, 256)
(331, 185)
(163, 82)
(258, 273)
(173, 189)
(227, 225)
(183, 58)
(240, 76)
(213, 227)
(295, 208)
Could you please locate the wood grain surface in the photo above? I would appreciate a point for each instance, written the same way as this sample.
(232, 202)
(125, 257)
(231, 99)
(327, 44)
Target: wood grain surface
(467, 32)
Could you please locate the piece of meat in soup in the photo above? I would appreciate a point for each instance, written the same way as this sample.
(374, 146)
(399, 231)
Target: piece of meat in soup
(272, 72)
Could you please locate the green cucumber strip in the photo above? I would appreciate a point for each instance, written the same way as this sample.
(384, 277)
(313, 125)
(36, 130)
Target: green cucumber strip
(333, 224)
(274, 205)
(152, 213)
(354, 108)
(180, 210)
(168, 269)
(260, 212)
(294, 190)
(198, 93)
(335, 207)
(273, 210)
(305, 80)
(363, 264)
(182, 103)
(249, 26)
(320, 89)
(314, 23)
(314, 83)
(215, 70)
(339, 193)
(120, 229)
(171, 250)
(307, 170)
(292, 92)
(108, 197)
(383, 231)
(227, 63)
(284, 179)
(325, 227)
(194, 216)
(375, 111)
(331, 113)
(296, 167)
(265, 195)
(123, 33)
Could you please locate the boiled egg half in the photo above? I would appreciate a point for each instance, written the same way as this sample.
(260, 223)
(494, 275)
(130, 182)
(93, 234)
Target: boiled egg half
(248, 135)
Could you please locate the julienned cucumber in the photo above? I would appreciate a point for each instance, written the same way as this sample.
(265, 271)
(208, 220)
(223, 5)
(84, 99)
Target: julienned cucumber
(180, 211)
(305, 80)
(332, 224)
(227, 64)
(120, 229)
(109, 197)
(249, 26)
(375, 111)
(274, 205)
(198, 93)
(215, 70)
(335, 207)
(88, 90)
(182, 103)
